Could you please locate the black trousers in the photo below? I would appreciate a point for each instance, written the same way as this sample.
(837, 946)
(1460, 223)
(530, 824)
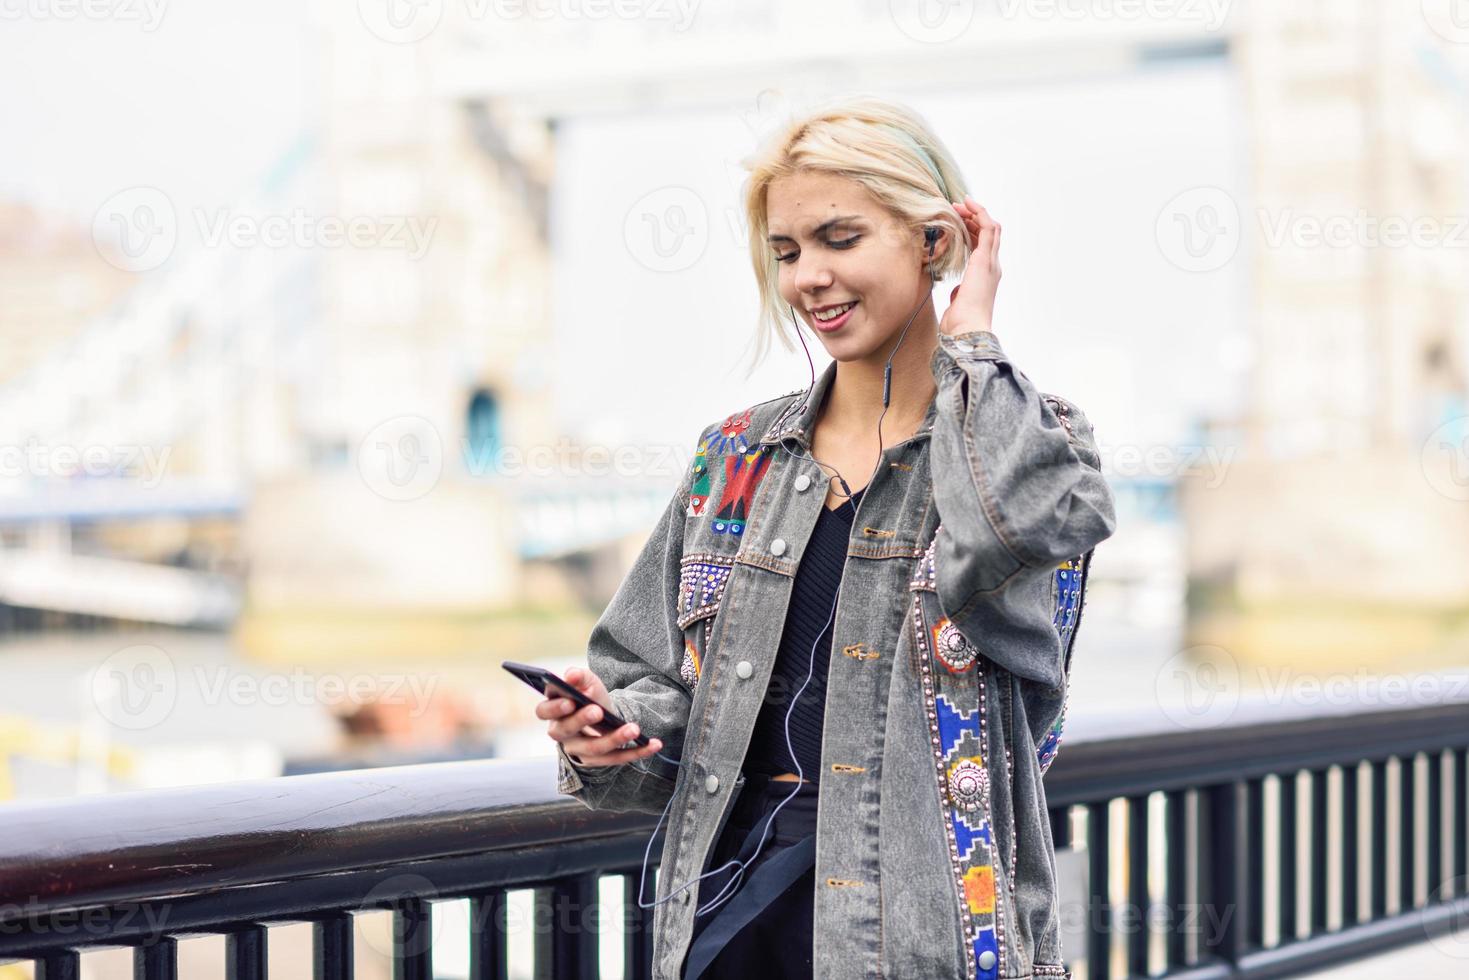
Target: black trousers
(777, 943)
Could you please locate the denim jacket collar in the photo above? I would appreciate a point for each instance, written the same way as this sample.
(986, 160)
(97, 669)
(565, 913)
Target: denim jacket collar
(799, 418)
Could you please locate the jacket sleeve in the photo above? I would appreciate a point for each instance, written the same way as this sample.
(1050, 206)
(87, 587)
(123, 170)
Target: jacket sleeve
(636, 648)
(1019, 489)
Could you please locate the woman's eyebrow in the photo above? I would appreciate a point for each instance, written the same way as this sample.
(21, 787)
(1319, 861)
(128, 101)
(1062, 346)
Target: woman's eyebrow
(841, 220)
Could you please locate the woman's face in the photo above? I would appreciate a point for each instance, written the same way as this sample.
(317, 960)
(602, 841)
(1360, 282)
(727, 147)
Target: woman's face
(835, 245)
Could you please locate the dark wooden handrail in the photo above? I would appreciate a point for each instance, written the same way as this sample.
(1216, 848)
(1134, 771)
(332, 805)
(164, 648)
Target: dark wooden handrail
(228, 858)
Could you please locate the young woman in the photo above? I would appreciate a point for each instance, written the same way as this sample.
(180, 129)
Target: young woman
(849, 634)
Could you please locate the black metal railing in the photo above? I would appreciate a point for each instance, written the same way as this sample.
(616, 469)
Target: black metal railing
(145, 870)
(1228, 905)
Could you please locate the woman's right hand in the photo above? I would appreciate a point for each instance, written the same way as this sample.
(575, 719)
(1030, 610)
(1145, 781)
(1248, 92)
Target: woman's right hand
(584, 744)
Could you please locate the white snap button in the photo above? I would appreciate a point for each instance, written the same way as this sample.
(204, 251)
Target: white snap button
(987, 960)
(778, 547)
(803, 483)
(712, 784)
(744, 668)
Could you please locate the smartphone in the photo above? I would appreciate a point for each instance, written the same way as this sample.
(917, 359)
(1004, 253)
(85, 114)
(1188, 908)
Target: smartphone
(539, 678)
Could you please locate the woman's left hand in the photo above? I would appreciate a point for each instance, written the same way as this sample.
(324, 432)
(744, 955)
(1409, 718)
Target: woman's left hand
(972, 303)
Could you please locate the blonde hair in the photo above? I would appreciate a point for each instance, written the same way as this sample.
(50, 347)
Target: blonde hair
(887, 148)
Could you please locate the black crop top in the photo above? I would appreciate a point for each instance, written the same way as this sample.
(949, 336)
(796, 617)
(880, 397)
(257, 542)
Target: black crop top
(813, 593)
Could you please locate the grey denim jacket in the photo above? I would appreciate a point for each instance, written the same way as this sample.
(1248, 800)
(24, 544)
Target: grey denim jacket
(946, 691)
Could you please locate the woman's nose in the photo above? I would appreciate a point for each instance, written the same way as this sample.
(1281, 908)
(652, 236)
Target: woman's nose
(812, 275)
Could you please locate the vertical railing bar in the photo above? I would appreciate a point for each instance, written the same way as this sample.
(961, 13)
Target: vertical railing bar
(1434, 845)
(1254, 858)
(571, 955)
(1137, 885)
(1060, 818)
(1350, 846)
(1407, 831)
(1229, 872)
(1459, 833)
(413, 949)
(64, 964)
(488, 959)
(331, 947)
(157, 959)
(1320, 849)
(1378, 849)
(1176, 883)
(1289, 856)
(245, 952)
(1099, 900)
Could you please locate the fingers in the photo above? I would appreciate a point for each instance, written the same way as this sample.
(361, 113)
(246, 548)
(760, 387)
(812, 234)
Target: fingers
(622, 756)
(609, 749)
(966, 210)
(567, 720)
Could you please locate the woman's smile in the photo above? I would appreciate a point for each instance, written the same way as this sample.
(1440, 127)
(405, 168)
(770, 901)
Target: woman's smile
(835, 323)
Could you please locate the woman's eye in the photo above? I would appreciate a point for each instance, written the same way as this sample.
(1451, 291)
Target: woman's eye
(845, 243)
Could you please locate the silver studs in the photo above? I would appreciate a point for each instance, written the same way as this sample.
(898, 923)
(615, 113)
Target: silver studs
(969, 785)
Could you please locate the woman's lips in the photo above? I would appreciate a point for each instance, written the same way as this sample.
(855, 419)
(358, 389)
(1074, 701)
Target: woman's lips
(836, 324)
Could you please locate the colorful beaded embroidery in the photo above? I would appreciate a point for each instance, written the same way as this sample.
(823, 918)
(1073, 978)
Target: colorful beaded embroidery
(699, 489)
(958, 740)
(742, 476)
(701, 582)
(955, 652)
(1069, 583)
(689, 669)
(731, 438)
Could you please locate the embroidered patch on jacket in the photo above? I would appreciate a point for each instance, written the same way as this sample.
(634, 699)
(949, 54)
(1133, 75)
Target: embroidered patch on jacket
(699, 489)
(952, 648)
(1067, 608)
(1063, 414)
(732, 435)
(1068, 598)
(701, 581)
(923, 571)
(742, 476)
(689, 670)
(961, 768)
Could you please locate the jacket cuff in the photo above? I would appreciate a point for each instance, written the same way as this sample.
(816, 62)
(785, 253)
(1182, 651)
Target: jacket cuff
(972, 345)
(572, 778)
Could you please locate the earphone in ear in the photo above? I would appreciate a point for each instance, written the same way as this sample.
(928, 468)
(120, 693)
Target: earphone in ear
(931, 235)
